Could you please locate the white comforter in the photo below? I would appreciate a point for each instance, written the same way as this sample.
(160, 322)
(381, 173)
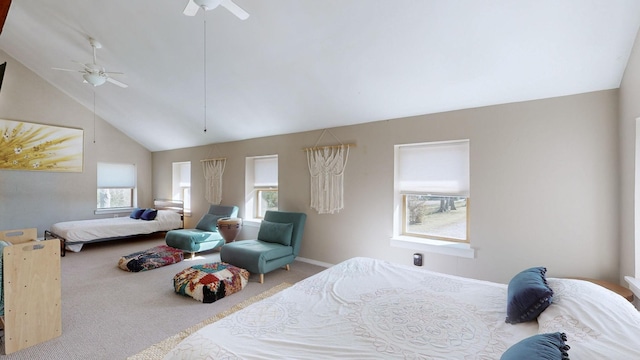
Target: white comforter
(366, 309)
(599, 324)
(82, 231)
(370, 309)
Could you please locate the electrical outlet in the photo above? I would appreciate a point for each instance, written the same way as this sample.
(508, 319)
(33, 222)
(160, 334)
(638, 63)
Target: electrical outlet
(417, 259)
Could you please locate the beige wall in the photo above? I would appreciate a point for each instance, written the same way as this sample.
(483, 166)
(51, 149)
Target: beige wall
(629, 112)
(39, 199)
(544, 185)
(544, 179)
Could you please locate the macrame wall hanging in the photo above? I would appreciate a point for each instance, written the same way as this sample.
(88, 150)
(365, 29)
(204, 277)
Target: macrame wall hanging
(326, 167)
(213, 170)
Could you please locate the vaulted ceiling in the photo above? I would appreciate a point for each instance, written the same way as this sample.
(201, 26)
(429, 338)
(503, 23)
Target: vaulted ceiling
(297, 65)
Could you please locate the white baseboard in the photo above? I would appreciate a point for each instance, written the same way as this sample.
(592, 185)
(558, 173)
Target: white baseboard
(314, 262)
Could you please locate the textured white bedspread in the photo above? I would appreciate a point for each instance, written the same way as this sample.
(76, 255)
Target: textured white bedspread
(599, 324)
(366, 309)
(81, 231)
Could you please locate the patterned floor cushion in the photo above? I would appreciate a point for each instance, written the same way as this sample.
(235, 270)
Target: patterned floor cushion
(151, 258)
(210, 282)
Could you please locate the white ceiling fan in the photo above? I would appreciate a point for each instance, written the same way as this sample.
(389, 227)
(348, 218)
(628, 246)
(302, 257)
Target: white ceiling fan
(193, 5)
(93, 73)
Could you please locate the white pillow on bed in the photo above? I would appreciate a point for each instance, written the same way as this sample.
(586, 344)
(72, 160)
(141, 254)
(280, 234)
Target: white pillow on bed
(167, 215)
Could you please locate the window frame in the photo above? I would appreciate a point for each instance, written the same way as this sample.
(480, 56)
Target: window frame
(405, 232)
(180, 191)
(257, 181)
(131, 201)
(258, 213)
(109, 184)
(418, 183)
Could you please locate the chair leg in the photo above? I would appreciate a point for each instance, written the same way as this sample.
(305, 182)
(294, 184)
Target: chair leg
(261, 278)
(287, 267)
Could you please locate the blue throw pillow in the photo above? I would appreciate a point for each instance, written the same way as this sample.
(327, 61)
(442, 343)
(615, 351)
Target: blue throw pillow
(149, 214)
(279, 233)
(550, 346)
(528, 295)
(209, 222)
(136, 213)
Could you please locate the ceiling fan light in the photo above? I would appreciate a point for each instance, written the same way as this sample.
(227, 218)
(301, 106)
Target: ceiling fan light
(94, 79)
(207, 4)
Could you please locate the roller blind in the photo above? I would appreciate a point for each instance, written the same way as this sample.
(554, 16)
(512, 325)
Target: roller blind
(113, 176)
(181, 174)
(266, 171)
(439, 168)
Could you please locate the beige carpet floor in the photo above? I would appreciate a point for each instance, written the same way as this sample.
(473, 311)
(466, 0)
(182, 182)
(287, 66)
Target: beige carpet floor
(109, 313)
(161, 349)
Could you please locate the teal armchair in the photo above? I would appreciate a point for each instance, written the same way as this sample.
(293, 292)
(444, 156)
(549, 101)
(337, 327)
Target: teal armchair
(277, 244)
(205, 236)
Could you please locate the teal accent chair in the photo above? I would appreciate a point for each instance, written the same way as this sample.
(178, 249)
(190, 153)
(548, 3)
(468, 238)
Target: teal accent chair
(277, 245)
(205, 236)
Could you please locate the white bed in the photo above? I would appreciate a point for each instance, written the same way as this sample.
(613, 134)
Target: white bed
(75, 234)
(370, 309)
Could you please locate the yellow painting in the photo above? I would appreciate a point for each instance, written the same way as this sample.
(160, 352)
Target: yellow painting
(37, 147)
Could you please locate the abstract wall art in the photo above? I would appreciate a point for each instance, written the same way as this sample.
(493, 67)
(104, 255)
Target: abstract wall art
(38, 147)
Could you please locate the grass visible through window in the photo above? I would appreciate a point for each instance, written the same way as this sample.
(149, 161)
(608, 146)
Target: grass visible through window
(439, 217)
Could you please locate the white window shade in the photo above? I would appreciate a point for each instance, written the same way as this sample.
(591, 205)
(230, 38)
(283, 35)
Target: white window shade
(434, 168)
(181, 174)
(266, 171)
(113, 176)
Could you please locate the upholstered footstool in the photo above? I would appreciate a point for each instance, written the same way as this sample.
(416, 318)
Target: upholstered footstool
(210, 282)
(151, 258)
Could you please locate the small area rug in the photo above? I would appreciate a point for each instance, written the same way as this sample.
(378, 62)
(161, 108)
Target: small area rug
(150, 259)
(159, 350)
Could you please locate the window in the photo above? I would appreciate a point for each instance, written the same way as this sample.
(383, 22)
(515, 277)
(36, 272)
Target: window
(181, 184)
(116, 185)
(262, 184)
(432, 182)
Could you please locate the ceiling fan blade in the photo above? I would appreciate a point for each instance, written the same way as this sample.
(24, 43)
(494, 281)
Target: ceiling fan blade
(67, 70)
(235, 9)
(191, 9)
(116, 82)
(85, 66)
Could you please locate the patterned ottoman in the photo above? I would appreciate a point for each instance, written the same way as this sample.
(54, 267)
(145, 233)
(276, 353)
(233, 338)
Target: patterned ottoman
(150, 259)
(210, 282)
